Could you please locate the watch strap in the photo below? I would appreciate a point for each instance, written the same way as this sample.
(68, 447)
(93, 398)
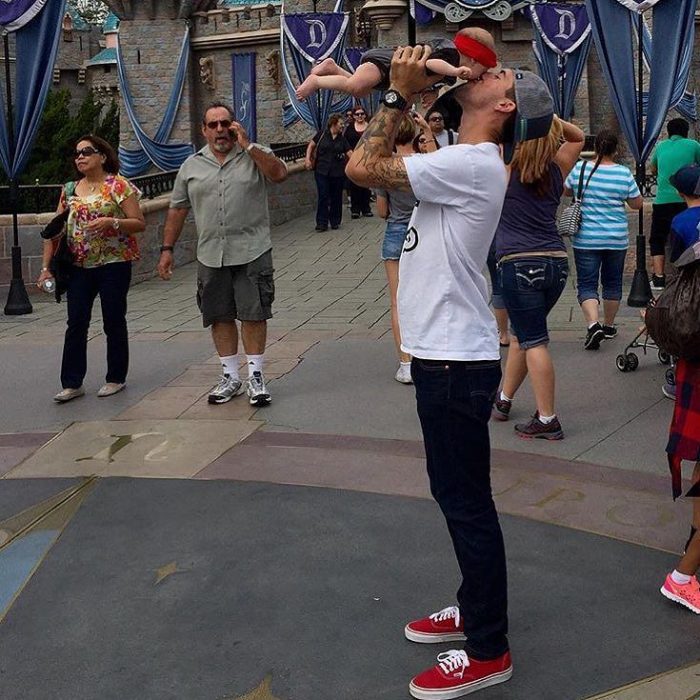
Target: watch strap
(167, 248)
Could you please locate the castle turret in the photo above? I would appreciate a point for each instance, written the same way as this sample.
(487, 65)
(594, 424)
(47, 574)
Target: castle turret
(150, 37)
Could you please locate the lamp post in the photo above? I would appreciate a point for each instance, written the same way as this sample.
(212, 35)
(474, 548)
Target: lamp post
(411, 26)
(17, 298)
(640, 292)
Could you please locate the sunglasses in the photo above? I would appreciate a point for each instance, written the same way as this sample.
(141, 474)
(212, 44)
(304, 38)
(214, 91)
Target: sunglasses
(360, 114)
(435, 119)
(225, 124)
(86, 152)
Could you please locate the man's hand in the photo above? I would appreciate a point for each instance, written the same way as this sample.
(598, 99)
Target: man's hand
(239, 132)
(165, 265)
(408, 75)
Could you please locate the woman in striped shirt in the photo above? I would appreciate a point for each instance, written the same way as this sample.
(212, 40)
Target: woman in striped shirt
(601, 243)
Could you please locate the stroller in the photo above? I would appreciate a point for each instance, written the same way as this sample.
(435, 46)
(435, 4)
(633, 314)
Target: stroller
(628, 361)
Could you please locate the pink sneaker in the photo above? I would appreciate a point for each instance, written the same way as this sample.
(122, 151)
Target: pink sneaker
(442, 626)
(456, 675)
(687, 594)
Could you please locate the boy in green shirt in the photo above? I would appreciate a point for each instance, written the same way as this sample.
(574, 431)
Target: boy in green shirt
(668, 158)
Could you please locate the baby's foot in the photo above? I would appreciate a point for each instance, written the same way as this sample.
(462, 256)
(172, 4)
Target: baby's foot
(308, 87)
(326, 67)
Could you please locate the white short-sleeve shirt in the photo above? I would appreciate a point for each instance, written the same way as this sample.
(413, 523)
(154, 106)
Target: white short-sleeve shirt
(443, 295)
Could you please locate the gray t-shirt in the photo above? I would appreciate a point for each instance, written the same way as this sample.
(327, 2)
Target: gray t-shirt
(229, 203)
(401, 205)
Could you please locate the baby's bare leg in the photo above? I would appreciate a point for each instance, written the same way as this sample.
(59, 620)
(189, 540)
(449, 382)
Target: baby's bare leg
(329, 67)
(359, 84)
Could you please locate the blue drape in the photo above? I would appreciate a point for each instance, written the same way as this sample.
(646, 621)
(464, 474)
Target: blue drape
(612, 26)
(156, 150)
(35, 51)
(684, 102)
(314, 111)
(561, 73)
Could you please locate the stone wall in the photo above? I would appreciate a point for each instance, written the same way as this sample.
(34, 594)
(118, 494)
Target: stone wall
(288, 200)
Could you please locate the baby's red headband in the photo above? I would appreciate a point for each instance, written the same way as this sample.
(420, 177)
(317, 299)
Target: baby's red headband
(471, 48)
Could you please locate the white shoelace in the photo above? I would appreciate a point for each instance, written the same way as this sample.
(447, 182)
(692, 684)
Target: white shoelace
(454, 660)
(446, 614)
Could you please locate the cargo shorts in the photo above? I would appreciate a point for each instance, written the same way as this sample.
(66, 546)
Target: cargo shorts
(236, 292)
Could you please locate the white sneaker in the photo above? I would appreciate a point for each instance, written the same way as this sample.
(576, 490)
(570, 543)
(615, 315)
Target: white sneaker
(403, 374)
(69, 394)
(258, 395)
(226, 389)
(111, 388)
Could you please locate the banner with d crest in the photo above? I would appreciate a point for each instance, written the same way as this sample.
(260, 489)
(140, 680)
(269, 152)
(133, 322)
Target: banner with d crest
(562, 41)
(308, 38)
(244, 101)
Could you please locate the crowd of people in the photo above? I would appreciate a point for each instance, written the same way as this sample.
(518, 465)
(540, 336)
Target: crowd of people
(456, 203)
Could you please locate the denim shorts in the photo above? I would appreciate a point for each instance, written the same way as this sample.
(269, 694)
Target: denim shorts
(604, 265)
(531, 287)
(393, 240)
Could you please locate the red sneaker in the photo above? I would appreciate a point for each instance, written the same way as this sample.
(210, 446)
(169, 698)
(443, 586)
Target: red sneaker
(442, 626)
(456, 675)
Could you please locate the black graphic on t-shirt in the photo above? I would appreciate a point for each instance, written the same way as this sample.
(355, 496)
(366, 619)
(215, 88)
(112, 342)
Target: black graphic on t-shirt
(411, 240)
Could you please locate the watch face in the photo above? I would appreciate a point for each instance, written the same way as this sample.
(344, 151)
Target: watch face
(390, 97)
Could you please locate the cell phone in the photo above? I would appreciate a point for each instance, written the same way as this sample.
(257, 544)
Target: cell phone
(233, 132)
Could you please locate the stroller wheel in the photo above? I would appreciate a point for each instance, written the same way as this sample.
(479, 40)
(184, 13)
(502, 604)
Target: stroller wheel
(632, 362)
(670, 377)
(664, 357)
(621, 363)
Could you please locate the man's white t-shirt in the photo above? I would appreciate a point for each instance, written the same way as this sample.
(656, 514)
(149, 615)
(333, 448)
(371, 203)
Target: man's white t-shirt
(443, 295)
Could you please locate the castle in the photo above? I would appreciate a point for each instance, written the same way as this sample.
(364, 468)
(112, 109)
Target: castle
(151, 34)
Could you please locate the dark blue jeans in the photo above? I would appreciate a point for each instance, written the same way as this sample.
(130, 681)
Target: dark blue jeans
(111, 282)
(454, 405)
(531, 287)
(330, 200)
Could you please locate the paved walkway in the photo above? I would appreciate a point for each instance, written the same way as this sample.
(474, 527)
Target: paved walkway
(320, 499)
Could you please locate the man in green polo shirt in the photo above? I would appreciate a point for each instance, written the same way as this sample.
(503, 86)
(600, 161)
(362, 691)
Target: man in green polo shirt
(224, 184)
(668, 158)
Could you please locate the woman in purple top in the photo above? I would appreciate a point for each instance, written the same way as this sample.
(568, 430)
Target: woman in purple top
(533, 268)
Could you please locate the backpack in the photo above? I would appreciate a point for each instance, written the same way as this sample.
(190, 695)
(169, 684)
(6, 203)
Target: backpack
(673, 322)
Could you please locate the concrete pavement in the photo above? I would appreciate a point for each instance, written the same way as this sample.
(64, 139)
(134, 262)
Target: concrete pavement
(308, 516)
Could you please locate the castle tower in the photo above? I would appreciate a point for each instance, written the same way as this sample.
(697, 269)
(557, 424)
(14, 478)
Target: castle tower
(150, 36)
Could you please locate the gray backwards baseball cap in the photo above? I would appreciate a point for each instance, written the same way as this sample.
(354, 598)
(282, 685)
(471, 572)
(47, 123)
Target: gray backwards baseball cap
(533, 114)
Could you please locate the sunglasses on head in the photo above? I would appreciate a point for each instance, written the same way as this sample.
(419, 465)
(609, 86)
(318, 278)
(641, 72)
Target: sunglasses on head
(87, 151)
(225, 123)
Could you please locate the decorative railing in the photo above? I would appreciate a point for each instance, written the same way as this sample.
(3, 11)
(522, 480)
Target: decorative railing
(44, 198)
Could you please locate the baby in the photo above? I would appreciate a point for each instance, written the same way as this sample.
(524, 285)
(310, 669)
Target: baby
(470, 54)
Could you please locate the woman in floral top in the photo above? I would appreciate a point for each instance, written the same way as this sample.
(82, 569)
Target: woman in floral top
(103, 220)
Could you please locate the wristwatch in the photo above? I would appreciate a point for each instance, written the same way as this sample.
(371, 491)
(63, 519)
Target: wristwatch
(167, 248)
(394, 100)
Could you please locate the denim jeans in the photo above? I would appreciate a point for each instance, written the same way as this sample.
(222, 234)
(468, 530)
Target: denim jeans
(531, 287)
(454, 405)
(111, 282)
(496, 291)
(330, 200)
(604, 265)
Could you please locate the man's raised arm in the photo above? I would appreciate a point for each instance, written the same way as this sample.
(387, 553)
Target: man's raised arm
(372, 163)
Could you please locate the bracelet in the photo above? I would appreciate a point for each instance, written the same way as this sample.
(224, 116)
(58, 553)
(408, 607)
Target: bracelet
(44, 269)
(167, 248)
(249, 146)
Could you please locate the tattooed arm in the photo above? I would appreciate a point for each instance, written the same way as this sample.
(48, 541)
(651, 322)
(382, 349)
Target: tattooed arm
(372, 163)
